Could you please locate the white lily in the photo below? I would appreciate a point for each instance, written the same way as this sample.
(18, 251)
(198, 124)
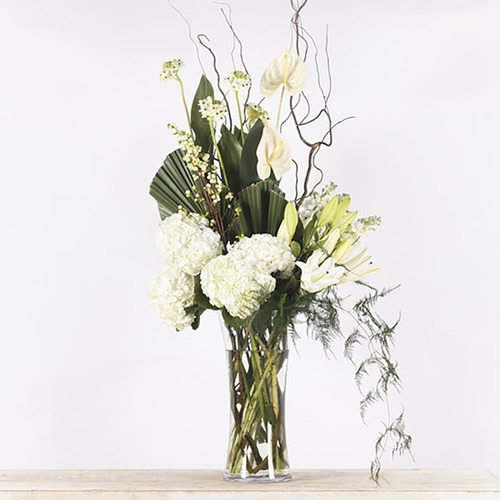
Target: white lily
(357, 267)
(289, 224)
(273, 153)
(287, 69)
(318, 274)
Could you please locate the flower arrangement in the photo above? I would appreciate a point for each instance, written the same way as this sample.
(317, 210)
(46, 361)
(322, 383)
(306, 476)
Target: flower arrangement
(233, 241)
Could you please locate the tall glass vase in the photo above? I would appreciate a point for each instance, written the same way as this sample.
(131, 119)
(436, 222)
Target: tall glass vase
(257, 364)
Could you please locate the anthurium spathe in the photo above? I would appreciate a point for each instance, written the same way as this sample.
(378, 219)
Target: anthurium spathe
(287, 69)
(319, 273)
(273, 153)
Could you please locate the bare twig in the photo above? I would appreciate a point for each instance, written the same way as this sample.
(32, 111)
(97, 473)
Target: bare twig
(202, 39)
(189, 32)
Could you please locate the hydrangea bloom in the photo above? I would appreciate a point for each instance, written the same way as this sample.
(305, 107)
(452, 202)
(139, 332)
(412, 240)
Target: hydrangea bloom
(187, 243)
(242, 280)
(234, 284)
(265, 253)
(170, 293)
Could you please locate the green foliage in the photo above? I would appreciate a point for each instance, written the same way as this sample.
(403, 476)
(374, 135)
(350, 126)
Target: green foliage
(262, 208)
(199, 125)
(230, 150)
(373, 338)
(170, 184)
(249, 155)
(201, 304)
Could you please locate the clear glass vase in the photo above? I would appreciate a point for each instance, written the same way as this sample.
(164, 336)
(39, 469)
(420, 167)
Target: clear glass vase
(257, 366)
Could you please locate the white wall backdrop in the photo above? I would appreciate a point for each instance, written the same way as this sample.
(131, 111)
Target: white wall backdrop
(89, 377)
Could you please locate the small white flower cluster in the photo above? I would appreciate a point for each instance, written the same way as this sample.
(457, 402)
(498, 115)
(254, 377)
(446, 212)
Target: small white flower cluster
(316, 202)
(212, 110)
(256, 112)
(171, 69)
(203, 172)
(242, 280)
(186, 244)
(239, 80)
(358, 229)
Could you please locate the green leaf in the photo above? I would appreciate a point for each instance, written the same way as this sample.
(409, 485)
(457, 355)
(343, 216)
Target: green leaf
(295, 247)
(263, 205)
(170, 184)
(277, 205)
(230, 150)
(248, 173)
(309, 232)
(199, 125)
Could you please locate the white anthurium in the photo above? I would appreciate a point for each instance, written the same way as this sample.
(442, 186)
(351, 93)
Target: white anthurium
(273, 153)
(357, 267)
(287, 69)
(319, 273)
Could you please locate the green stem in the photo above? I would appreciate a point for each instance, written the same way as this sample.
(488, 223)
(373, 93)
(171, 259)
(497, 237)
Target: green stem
(212, 131)
(279, 109)
(185, 105)
(241, 117)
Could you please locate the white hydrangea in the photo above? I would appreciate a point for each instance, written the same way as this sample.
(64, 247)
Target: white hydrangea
(185, 241)
(242, 280)
(266, 253)
(170, 292)
(236, 285)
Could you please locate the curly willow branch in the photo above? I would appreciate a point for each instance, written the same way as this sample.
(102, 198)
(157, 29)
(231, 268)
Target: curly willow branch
(202, 37)
(190, 33)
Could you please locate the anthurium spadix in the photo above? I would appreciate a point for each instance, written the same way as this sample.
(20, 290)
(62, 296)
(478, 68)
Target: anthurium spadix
(289, 224)
(287, 69)
(273, 153)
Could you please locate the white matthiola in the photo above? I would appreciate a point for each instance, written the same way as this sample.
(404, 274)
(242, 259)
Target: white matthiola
(316, 202)
(273, 153)
(319, 273)
(236, 285)
(242, 280)
(265, 253)
(287, 69)
(187, 243)
(171, 291)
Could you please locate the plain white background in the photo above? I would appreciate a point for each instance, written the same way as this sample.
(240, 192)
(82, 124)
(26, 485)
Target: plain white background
(89, 378)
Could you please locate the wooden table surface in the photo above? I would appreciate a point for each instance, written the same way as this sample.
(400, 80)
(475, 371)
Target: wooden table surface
(209, 485)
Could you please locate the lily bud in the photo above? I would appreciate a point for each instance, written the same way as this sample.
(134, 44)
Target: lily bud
(289, 224)
(328, 242)
(342, 251)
